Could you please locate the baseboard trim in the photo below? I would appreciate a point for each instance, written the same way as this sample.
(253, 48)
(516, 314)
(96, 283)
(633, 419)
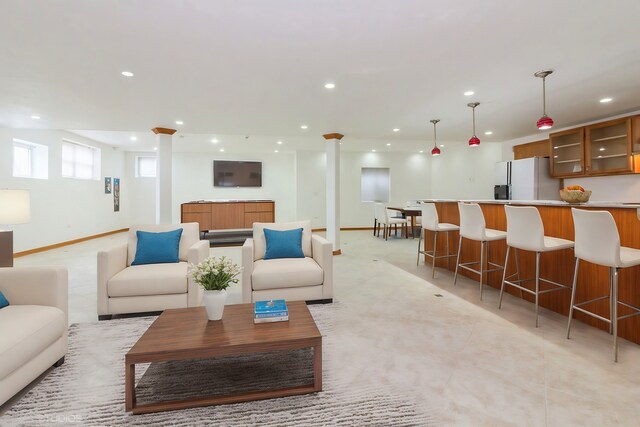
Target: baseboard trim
(67, 243)
(316, 230)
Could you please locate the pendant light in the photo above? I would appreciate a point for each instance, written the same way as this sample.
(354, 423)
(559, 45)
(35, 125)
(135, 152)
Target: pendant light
(474, 141)
(436, 150)
(545, 122)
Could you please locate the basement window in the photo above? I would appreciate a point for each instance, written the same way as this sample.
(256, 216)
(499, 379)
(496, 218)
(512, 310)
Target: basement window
(146, 166)
(80, 161)
(30, 160)
(374, 185)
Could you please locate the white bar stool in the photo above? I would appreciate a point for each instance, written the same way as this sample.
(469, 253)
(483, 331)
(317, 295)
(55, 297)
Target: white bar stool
(474, 227)
(430, 222)
(525, 231)
(598, 242)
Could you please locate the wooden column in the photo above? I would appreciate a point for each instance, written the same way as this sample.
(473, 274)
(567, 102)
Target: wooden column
(163, 175)
(333, 189)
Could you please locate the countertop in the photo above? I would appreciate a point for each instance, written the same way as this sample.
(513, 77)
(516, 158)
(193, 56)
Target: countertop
(229, 201)
(544, 203)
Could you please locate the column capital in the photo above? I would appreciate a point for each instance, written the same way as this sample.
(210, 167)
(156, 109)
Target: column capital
(337, 136)
(165, 131)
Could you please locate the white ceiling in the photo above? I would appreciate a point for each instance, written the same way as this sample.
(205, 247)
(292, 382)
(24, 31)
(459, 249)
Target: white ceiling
(258, 67)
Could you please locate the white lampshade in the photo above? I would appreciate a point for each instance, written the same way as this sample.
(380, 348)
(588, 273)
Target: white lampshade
(15, 206)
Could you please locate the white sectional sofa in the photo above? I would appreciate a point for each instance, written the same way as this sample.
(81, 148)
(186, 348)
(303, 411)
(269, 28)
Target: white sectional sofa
(125, 288)
(33, 328)
(293, 279)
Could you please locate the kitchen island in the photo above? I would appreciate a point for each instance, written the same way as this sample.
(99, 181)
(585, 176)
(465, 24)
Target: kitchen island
(557, 266)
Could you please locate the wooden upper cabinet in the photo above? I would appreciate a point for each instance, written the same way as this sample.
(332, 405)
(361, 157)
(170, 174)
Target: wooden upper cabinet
(608, 147)
(532, 149)
(567, 153)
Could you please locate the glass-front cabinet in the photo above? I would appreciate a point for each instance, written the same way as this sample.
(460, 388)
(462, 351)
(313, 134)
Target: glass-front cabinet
(567, 153)
(599, 149)
(608, 147)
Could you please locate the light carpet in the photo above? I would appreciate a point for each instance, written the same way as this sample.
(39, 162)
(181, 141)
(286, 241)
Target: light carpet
(89, 388)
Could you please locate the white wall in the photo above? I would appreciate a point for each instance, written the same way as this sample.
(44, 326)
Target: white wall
(193, 180)
(63, 209)
(463, 172)
(410, 176)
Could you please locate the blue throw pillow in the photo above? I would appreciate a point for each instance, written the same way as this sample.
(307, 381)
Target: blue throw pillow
(3, 300)
(157, 248)
(283, 244)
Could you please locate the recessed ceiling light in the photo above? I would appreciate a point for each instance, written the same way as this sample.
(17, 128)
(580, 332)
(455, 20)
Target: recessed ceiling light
(275, 151)
(127, 73)
(179, 122)
(422, 151)
(605, 100)
(214, 141)
(133, 138)
(469, 93)
(441, 145)
(222, 150)
(279, 142)
(329, 85)
(373, 151)
(555, 157)
(388, 144)
(304, 127)
(155, 148)
(35, 117)
(396, 130)
(555, 148)
(599, 157)
(602, 148)
(488, 132)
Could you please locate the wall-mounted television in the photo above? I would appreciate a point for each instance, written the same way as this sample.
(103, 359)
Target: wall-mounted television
(229, 173)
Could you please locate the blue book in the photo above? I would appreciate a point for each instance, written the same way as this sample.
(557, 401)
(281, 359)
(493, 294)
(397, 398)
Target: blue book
(272, 306)
(274, 314)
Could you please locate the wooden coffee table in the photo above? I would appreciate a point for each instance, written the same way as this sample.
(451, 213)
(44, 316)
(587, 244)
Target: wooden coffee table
(186, 333)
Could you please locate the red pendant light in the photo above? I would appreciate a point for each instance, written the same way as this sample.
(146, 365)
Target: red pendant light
(436, 151)
(474, 141)
(545, 122)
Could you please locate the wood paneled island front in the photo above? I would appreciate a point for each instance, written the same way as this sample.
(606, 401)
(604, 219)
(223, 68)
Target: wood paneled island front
(557, 266)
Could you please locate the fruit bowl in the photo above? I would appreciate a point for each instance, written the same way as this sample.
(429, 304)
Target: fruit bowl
(575, 196)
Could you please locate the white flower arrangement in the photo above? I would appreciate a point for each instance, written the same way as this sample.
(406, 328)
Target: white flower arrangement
(215, 274)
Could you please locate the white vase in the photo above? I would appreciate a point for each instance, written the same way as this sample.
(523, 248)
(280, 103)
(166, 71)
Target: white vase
(214, 302)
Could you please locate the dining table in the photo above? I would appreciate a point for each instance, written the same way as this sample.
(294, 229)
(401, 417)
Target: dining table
(411, 212)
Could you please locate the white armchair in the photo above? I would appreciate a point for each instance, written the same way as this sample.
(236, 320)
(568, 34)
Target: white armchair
(123, 288)
(33, 327)
(308, 279)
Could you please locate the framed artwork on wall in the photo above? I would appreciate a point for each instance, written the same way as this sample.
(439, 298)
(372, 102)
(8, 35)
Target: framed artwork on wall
(107, 185)
(116, 194)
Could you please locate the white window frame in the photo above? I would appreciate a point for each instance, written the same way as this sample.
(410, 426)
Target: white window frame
(74, 164)
(139, 169)
(375, 184)
(38, 167)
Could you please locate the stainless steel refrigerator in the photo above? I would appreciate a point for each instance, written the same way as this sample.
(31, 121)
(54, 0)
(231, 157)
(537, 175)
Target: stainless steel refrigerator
(525, 179)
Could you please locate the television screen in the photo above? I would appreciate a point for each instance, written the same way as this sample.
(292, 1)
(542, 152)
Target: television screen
(227, 173)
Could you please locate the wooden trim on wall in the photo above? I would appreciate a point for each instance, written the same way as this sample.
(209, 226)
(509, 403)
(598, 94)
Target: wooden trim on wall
(316, 230)
(67, 243)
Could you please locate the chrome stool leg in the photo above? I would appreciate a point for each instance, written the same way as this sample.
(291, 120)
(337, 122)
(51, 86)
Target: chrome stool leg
(537, 285)
(516, 254)
(419, 242)
(573, 295)
(614, 318)
(504, 277)
(433, 264)
(481, 266)
(455, 275)
(610, 299)
(448, 253)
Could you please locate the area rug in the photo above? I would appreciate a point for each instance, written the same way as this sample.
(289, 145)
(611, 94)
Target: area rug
(88, 389)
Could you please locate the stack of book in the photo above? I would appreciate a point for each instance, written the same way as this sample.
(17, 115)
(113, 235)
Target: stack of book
(270, 311)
